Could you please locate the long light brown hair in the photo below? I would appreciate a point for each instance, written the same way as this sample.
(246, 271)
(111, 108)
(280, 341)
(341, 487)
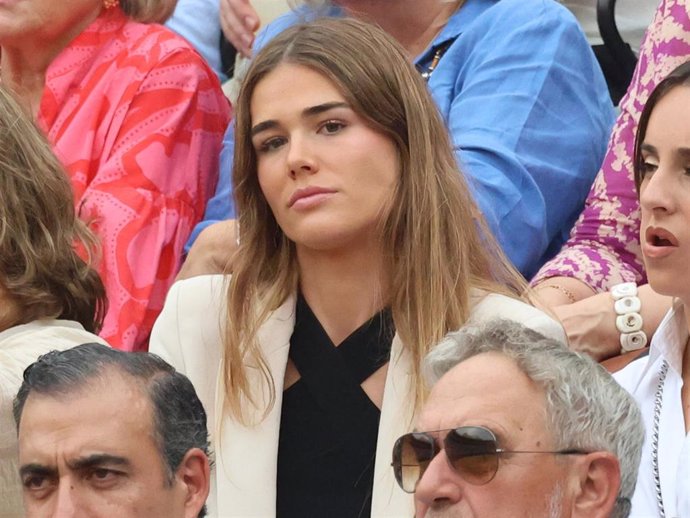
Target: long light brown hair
(40, 270)
(437, 245)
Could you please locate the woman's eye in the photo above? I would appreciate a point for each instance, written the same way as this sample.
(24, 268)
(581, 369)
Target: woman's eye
(271, 144)
(332, 127)
(649, 167)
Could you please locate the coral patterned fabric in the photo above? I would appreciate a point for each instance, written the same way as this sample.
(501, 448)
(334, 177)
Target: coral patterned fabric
(604, 247)
(137, 118)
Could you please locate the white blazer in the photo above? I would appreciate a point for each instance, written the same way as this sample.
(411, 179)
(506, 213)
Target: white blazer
(188, 334)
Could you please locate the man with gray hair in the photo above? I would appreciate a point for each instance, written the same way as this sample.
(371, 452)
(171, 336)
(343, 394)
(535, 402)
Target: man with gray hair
(517, 425)
(109, 434)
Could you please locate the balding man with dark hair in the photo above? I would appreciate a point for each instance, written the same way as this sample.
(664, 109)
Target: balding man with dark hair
(106, 434)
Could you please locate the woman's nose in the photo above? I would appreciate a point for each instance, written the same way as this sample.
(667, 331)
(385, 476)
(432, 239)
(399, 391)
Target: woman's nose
(301, 157)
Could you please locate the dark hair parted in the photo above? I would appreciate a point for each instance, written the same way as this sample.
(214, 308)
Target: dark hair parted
(179, 419)
(40, 270)
(680, 76)
(437, 246)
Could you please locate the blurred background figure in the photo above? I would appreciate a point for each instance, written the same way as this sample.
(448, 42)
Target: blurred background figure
(50, 298)
(136, 116)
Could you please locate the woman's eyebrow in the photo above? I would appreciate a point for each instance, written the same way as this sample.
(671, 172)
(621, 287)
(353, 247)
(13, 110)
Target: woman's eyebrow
(324, 107)
(307, 112)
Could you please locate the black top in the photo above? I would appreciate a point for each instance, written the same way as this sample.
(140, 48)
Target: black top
(329, 426)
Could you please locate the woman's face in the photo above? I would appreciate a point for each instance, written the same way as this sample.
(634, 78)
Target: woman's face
(665, 195)
(36, 24)
(327, 176)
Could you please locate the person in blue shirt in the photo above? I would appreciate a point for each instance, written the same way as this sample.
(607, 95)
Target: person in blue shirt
(198, 22)
(522, 96)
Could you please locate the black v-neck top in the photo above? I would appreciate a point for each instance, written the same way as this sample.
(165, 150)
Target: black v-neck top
(329, 426)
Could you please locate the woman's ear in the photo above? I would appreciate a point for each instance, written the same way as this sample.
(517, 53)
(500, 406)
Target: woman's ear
(194, 473)
(600, 480)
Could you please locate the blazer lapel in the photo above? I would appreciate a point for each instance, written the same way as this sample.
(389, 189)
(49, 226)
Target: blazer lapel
(397, 418)
(246, 456)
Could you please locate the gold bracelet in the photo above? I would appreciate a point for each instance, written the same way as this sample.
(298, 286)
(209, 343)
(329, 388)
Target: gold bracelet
(564, 291)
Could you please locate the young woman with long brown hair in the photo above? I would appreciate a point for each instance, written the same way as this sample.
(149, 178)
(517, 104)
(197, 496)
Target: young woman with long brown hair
(360, 248)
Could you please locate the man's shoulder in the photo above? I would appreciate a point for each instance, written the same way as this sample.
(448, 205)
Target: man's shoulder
(515, 15)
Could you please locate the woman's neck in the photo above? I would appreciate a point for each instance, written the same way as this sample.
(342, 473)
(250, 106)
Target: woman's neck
(413, 23)
(24, 60)
(342, 290)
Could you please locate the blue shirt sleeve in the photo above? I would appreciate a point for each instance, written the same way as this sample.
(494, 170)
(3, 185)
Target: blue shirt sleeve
(529, 114)
(221, 206)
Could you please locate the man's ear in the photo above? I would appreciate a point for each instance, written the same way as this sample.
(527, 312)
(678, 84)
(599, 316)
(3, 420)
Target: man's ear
(194, 473)
(600, 479)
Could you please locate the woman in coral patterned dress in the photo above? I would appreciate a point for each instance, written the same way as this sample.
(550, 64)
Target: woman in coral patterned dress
(137, 118)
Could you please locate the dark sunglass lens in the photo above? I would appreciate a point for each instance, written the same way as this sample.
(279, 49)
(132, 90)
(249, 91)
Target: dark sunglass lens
(471, 450)
(411, 456)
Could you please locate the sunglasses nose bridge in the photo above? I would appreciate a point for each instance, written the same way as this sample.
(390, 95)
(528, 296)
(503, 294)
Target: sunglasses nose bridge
(439, 482)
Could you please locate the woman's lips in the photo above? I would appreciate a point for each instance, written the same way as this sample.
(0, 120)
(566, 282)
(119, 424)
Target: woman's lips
(658, 243)
(309, 197)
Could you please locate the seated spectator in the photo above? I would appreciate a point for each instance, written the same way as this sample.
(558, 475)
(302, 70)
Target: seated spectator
(604, 250)
(49, 297)
(521, 94)
(660, 382)
(137, 118)
(351, 210)
(520, 427)
(105, 434)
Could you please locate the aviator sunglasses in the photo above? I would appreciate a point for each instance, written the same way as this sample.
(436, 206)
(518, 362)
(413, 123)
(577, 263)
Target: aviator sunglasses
(472, 452)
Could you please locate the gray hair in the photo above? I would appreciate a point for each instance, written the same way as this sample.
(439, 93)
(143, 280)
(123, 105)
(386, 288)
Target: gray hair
(179, 419)
(585, 407)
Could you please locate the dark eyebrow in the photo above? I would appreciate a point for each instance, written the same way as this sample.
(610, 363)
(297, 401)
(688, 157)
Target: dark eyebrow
(320, 108)
(307, 112)
(684, 152)
(98, 459)
(648, 148)
(37, 469)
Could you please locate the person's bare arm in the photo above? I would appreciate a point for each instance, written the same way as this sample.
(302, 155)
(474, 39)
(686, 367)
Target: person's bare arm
(239, 22)
(590, 322)
(212, 251)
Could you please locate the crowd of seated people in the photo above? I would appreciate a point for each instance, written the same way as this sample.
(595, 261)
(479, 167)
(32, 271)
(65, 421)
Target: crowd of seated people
(356, 290)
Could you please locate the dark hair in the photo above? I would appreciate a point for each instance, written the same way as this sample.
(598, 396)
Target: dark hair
(680, 76)
(40, 269)
(179, 419)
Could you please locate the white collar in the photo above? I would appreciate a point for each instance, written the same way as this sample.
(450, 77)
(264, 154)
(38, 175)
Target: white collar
(669, 340)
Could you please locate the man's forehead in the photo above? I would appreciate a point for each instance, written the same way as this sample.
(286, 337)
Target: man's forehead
(485, 385)
(101, 413)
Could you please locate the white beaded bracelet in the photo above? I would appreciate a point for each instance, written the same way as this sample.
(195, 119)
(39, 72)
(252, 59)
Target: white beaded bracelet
(629, 321)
